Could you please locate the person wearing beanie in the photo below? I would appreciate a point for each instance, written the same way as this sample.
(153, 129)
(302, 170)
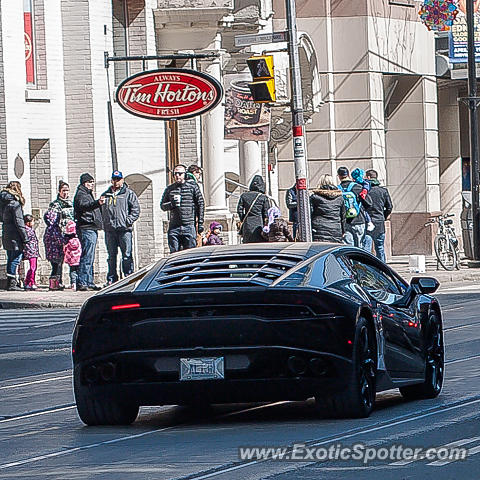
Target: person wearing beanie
(379, 211)
(73, 252)
(213, 236)
(88, 218)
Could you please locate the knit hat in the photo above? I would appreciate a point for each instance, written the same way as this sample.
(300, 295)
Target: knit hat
(215, 225)
(358, 175)
(342, 172)
(85, 177)
(71, 228)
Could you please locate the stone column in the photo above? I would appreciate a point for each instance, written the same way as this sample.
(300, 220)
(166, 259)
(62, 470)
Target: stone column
(250, 156)
(213, 151)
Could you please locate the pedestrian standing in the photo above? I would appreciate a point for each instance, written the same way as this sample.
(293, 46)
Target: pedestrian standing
(252, 209)
(355, 207)
(213, 237)
(14, 234)
(184, 201)
(379, 211)
(73, 252)
(291, 202)
(327, 212)
(276, 229)
(30, 253)
(120, 211)
(58, 214)
(88, 218)
(194, 174)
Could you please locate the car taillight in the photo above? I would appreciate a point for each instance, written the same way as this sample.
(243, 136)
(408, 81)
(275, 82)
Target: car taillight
(125, 306)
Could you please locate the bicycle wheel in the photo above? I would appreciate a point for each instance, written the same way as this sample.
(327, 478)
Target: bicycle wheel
(445, 252)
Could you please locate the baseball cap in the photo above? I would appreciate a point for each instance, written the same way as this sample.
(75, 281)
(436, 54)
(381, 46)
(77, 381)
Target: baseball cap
(343, 172)
(117, 174)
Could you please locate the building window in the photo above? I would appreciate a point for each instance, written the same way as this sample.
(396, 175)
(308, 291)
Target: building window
(28, 25)
(120, 38)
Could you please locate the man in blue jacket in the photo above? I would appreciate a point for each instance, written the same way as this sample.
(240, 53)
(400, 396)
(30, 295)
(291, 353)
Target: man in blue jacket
(120, 211)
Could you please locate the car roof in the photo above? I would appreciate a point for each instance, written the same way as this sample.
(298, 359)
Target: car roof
(301, 249)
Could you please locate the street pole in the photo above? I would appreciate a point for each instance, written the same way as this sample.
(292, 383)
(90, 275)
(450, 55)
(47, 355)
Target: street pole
(472, 104)
(298, 126)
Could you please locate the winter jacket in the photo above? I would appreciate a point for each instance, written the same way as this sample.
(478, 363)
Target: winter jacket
(291, 202)
(255, 220)
(53, 236)
(214, 239)
(363, 202)
(59, 213)
(14, 234)
(328, 215)
(73, 251)
(279, 231)
(381, 207)
(87, 210)
(31, 250)
(192, 206)
(120, 210)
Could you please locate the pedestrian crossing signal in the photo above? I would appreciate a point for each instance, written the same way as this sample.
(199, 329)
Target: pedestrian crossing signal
(263, 85)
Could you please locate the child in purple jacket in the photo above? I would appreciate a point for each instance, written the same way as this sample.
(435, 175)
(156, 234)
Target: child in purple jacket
(213, 237)
(30, 253)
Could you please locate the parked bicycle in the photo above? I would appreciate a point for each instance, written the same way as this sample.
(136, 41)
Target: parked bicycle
(446, 242)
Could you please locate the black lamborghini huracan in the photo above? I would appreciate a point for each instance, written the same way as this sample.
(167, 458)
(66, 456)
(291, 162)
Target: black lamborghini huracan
(257, 322)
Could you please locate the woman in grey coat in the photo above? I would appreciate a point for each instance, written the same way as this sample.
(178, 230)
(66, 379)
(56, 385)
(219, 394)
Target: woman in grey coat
(252, 209)
(14, 234)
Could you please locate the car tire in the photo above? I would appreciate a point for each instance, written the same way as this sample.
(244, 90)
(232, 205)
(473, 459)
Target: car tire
(103, 411)
(434, 364)
(358, 398)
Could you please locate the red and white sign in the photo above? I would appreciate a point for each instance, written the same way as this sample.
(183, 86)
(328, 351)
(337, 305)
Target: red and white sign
(28, 35)
(169, 94)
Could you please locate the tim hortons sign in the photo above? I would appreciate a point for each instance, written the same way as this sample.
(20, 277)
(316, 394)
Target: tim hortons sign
(169, 94)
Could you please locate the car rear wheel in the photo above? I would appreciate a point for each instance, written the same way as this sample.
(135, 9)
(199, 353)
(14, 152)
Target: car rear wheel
(358, 399)
(103, 411)
(434, 364)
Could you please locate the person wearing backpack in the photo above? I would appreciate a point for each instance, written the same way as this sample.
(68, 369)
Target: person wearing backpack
(355, 205)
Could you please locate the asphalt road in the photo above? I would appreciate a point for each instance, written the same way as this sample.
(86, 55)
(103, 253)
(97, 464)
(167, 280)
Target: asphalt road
(41, 436)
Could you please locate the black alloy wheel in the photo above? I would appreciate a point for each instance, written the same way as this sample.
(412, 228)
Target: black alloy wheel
(358, 398)
(434, 363)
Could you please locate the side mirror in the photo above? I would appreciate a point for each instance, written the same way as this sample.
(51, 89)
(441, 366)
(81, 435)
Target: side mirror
(426, 285)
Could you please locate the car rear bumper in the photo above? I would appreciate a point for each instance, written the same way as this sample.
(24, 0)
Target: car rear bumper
(251, 374)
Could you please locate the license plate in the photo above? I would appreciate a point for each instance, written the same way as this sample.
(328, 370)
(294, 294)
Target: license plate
(204, 368)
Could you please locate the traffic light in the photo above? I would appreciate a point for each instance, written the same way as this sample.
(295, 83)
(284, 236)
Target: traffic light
(263, 85)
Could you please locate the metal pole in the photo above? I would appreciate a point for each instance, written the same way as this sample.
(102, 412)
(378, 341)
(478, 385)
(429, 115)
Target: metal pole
(472, 104)
(299, 143)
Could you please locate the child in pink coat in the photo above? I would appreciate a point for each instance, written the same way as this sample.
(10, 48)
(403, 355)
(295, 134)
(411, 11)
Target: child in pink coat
(72, 251)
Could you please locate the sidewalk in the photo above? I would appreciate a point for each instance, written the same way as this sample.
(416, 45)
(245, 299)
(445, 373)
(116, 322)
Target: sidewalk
(42, 298)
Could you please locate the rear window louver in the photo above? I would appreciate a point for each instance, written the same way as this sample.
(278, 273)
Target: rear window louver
(225, 270)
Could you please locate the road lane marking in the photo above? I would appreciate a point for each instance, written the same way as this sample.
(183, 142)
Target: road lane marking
(441, 463)
(36, 414)
(201, 476)
(83, 447)
(18, 385)
(450, 362)
(456, 443)
(27, 434)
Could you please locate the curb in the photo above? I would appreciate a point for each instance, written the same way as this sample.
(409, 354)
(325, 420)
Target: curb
(39, 305)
